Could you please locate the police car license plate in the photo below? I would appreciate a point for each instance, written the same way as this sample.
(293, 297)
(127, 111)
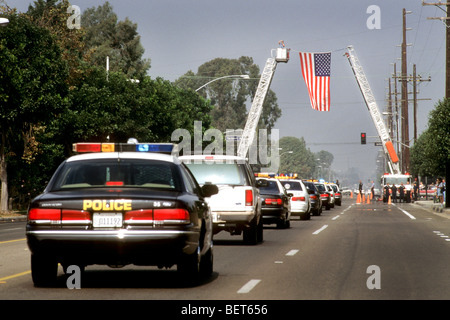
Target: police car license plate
(107, 220)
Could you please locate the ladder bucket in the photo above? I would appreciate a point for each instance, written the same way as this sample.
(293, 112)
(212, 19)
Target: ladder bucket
(282, 55)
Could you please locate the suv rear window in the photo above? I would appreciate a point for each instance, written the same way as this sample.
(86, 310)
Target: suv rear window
(114, 173)
(218, 173)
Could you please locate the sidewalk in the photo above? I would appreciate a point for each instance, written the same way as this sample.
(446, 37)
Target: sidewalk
(436, 208)
(11, 217)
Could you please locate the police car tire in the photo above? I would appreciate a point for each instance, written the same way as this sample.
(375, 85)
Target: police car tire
(189, 267)
(44, 270)
(206, 263)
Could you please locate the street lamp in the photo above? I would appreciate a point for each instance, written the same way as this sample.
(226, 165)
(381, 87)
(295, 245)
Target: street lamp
(3, 22)
(242, 76)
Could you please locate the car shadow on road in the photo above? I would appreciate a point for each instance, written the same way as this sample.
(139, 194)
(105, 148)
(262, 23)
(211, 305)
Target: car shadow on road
(133, 279)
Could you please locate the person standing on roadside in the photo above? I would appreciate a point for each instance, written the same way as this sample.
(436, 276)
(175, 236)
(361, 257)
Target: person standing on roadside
(440, 190)
(360, 187)
(394, 193)
(415, 188)
(386, 193)
(402, 192)
(372, 189)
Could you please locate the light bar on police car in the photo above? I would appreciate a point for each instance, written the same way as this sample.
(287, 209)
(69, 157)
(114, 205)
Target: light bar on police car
(84, 147)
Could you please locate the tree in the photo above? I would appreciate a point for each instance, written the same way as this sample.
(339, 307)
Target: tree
(33, 89)
(300, 161)
(230, 97)
(431, 153)
(119, 40)
(119, 109)
(52, 15)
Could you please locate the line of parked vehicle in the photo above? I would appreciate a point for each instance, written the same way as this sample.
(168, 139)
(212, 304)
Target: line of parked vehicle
(304, 197)
(246, 201)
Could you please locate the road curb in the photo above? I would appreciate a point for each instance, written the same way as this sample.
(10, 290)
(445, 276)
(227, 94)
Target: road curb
(13, 219)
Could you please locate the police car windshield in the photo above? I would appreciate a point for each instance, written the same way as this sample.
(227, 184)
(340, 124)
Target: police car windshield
(271, 188)
(292, 185)
(113, 173)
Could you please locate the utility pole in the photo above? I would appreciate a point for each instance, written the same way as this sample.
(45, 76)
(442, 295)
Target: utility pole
(404, 102)
(447, 40)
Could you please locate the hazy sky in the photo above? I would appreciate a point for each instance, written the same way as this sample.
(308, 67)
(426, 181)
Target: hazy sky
(181, 35)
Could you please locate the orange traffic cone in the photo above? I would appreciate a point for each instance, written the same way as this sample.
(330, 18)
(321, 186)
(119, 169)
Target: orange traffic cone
(389, 199)
(351, 194)
(358, 199)
(363, 199)
(368, 199)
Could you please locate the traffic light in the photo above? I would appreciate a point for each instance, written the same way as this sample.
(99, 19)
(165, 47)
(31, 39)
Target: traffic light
(363, 138)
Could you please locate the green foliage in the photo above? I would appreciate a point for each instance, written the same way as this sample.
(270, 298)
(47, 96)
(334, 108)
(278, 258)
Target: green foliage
(301, 161)
(119, 109)
(431, 151)
(118, 40)
(230, 97)
(33, 92)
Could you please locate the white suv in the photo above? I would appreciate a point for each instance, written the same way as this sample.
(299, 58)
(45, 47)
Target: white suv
(237, 206)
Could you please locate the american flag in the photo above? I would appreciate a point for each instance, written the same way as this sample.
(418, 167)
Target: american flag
(316, 69)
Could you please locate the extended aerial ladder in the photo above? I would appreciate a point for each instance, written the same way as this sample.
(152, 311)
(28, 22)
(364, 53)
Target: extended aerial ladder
(374, 111)
(248, 134)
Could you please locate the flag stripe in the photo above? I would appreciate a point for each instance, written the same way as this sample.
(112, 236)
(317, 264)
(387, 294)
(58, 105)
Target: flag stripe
(316, 73)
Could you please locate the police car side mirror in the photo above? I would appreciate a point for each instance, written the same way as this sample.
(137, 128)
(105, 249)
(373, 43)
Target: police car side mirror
(209, 189)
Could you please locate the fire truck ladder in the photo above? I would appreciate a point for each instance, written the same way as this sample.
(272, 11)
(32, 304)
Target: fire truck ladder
(374, 111)
(282, 55)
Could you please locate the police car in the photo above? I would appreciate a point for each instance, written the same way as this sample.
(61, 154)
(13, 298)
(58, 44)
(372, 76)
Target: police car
(117, 204)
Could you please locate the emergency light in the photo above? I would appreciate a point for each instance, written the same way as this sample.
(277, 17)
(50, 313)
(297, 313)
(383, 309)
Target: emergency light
(84, 147)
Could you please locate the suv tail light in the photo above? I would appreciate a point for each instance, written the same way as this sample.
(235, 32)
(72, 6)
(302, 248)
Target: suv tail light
(248, 197)
(324, 195)
(298, 198)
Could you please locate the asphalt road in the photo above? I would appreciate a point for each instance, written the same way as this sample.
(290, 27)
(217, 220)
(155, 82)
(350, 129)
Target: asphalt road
(352, 252)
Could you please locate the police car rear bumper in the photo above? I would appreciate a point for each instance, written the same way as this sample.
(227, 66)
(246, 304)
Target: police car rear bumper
(121, 246)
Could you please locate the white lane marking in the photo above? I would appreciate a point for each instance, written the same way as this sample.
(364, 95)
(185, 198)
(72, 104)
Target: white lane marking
(407, 213)
(321, 229)
(335, 218)
(249, 286)
(292, 252)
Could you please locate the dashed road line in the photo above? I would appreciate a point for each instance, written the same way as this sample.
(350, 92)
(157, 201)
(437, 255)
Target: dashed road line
(292, 252)
(249, 286)
(320, 230)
